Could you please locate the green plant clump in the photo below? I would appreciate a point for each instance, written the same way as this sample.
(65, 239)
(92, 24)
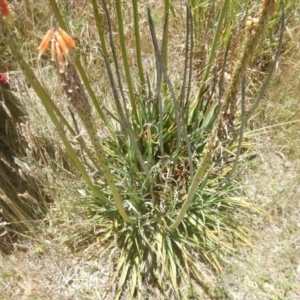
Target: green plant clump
(164, 203)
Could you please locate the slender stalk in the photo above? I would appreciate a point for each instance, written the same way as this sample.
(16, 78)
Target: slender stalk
(166, 35)
(158, 57)
(271, 71)
(116, 63)
(125, 57)
(165, 41)
(212, 55)
(241, 132)
(193, 188)
(99, 27)
(159, 103)
(58, 16)
(46, 101)
(138, 42)
(183, 117)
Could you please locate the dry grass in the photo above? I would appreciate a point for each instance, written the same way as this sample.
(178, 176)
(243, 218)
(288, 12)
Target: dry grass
(44, 268)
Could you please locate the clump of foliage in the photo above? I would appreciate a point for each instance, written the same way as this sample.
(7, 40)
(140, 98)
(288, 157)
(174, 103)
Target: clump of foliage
(163, 202)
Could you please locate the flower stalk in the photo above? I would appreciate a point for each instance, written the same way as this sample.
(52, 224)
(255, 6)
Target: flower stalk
(61, 43)
(125, 58)
(80, 69)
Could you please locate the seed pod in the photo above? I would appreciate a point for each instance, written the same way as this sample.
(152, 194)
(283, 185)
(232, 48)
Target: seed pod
(45, 42)
(62, 44)
(66, 37)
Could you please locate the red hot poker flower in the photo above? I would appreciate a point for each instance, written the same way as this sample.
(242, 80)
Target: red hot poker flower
(65, 42)
(4, 8)
(3, 79)
(5, 11)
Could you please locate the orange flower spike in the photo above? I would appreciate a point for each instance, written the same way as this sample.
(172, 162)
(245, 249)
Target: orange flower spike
(66, 37)
(45, 42)
(62, 44)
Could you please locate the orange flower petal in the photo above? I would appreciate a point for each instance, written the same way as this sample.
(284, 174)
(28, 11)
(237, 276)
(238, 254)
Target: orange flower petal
(62, 44)
(45, 42)
(53, 50)
(59, 54)
(66, 37)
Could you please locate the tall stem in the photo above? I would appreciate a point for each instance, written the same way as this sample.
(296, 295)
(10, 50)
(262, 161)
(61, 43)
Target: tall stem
(99, 27)
(165, 41)
(125, 57)
(138, 42)
(212, 55)
(193, 188)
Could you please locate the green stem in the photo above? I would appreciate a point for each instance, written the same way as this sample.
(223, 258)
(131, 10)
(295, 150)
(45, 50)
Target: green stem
(212, 55)
(46, 101)
(100, 28)
(164, 49)
(195, 183)
(138, 42)
(125, 58)
(58, 15)
(109, 178)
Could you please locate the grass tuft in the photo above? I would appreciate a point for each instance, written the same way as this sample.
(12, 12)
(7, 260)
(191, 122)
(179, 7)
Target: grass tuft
(159, 138)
